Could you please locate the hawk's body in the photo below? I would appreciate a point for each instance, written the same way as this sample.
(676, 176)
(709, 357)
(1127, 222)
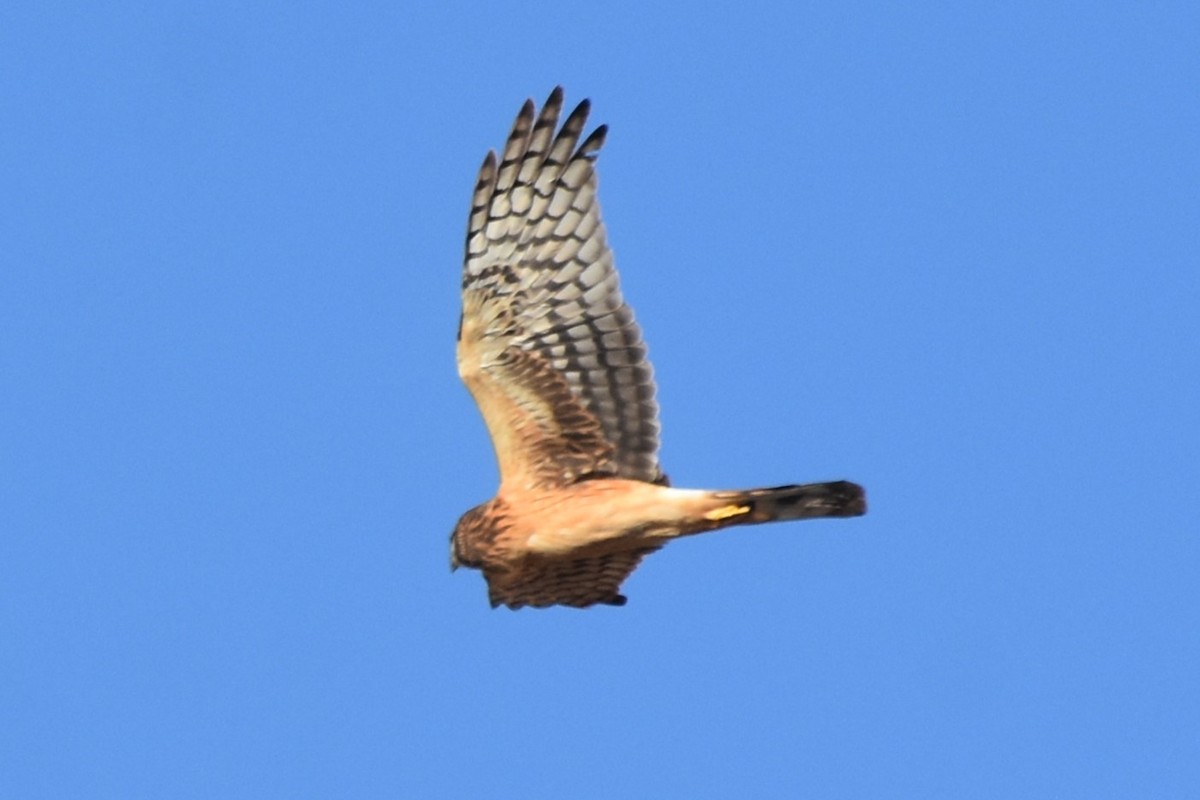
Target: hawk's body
(556, 364)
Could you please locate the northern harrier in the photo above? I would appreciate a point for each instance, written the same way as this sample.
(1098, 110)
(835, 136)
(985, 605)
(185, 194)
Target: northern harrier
(555, 361)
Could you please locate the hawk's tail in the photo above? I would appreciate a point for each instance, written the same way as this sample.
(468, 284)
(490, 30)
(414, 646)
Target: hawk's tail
(806, 501)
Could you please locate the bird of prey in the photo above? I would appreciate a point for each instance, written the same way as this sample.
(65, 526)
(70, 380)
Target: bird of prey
(551, 353)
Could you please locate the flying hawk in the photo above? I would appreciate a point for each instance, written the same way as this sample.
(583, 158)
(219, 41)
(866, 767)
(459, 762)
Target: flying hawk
(555, 361)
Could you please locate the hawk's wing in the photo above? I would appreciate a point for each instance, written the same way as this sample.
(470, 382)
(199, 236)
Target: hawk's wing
(546, 344)
(578, 582)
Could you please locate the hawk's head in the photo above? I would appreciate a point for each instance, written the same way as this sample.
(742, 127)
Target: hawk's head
(464, 541)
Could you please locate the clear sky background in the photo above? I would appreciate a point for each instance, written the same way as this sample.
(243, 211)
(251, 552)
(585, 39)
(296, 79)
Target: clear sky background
(947, 251)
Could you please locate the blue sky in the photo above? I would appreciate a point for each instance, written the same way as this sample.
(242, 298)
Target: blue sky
(951, 252)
